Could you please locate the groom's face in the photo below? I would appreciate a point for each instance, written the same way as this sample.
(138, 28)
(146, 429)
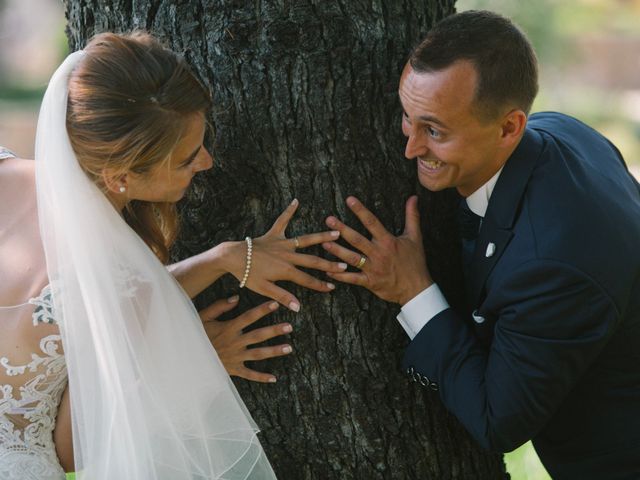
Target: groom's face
(452, 146)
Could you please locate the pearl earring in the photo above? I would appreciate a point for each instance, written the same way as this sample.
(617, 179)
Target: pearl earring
(122, 189)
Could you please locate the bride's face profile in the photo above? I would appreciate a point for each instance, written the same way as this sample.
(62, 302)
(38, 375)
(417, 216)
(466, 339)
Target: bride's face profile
(169, 181)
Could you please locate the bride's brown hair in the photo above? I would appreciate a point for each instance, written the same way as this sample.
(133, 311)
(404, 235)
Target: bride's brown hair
(130, 99)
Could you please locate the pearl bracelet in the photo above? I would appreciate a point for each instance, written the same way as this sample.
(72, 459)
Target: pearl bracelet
(247, 267)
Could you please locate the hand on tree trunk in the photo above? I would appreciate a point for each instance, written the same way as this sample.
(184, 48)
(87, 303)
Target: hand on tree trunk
(274, 258)
(393, 268)
(231, 343)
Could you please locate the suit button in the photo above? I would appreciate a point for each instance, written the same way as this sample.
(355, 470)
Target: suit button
(410, 371)
(477, 318)
(424, 381)
(434, 386)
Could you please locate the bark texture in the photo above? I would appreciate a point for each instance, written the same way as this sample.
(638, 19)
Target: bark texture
(306, 106)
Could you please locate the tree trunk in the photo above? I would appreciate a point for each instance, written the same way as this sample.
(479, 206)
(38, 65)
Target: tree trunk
(306, 107)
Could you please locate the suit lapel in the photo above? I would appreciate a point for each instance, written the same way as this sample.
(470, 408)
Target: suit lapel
(504, 206)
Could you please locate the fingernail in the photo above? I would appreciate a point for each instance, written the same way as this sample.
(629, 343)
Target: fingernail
(331, 286)
(233, 299)
(273, 306)
(335, 234)
(272, 380)
(287, 329)
(287, 349)
(294, 202)
(295, 306)
(351, 201)
(326, 246)
(331, 221)
(342, 266)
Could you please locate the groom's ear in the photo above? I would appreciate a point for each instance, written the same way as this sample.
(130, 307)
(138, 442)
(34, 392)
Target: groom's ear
(513, 125)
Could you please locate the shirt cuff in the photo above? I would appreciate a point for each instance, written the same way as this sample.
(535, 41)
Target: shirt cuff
(417, 312)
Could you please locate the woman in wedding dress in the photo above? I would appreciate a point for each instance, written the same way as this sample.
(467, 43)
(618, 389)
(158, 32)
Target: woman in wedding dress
(138, 391)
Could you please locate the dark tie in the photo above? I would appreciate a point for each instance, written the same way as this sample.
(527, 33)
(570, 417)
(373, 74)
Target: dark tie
(469, 224)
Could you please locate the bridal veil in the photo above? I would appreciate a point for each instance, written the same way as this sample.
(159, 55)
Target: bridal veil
(150, 399)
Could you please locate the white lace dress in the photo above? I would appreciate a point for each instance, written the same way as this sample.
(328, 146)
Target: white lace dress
(29, 403)
(28, 413)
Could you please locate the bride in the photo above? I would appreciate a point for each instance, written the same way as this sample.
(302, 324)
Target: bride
(138, 392)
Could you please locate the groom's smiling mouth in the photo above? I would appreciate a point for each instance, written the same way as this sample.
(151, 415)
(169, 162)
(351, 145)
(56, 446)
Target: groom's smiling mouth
(430, 165)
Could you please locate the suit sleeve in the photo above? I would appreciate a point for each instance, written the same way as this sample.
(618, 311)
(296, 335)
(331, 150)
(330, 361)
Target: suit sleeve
(552, 322)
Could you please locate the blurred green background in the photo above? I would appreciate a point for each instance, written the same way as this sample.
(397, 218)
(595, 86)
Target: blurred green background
(589, 55)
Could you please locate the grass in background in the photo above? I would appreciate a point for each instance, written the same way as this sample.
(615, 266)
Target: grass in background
(523, 464)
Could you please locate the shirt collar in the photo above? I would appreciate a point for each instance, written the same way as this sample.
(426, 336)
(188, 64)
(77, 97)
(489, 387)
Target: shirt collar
(478, 201)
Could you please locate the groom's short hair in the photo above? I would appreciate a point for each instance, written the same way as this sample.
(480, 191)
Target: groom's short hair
(500, 52)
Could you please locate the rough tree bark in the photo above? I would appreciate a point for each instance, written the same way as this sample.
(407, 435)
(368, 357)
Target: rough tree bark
(306, 106)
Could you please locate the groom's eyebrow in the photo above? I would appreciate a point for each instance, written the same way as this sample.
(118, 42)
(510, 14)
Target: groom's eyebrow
(431, 119)
(190, 157)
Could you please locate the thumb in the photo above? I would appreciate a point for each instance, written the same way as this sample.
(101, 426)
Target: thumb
(412, 219)
(282, 222)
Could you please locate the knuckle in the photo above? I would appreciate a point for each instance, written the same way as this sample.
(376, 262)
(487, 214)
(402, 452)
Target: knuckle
(277, 352)
(284, 298)
(252, 354)
(369, 221)
(388, 249)
(274, 331)
(257, 336)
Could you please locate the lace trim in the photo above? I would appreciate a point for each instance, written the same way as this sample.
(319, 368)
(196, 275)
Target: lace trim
(27, 451)
(6, 153)
(48, 346)
(18, 465)
(43, 313)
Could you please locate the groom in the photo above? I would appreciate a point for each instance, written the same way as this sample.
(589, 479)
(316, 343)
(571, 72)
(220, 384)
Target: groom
(551, 248)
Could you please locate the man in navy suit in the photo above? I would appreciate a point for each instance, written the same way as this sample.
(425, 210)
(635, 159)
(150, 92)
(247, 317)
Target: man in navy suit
(551, 241)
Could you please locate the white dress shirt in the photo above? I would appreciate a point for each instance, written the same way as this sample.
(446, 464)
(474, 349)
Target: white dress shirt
(417, 312)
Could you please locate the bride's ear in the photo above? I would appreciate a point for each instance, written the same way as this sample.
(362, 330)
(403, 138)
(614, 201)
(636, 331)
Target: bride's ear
(114, 182)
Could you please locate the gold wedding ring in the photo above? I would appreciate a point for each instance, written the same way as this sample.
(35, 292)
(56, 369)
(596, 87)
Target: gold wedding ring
(296, 242)
(361, 262)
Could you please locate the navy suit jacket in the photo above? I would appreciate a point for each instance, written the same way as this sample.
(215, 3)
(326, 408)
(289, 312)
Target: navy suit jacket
(557, 357)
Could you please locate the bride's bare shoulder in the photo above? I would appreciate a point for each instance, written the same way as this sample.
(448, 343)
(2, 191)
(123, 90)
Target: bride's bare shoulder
(21, 242)
(17, 181)
(20, 170)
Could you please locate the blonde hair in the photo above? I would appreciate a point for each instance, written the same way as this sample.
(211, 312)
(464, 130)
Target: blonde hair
(130, 99)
